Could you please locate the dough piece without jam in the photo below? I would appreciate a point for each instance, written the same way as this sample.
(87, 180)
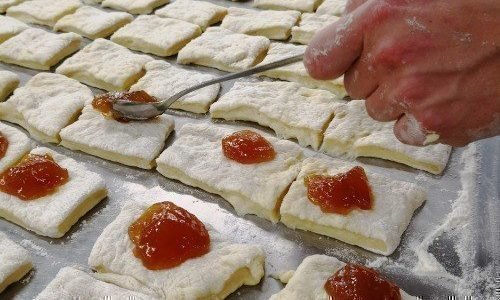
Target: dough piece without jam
(163, 80)
(290, 109)
(332, 7)
(297, 72)
(93, 23)
(4, 4)
(301, 5)
(355, 133)
(276, 25)
(71, 283)
(38, 49)
(9, 27)
(224, 50)
(134, 6)
(133, 143)
(215, 275)
(45, 104)
(309, 25)
(54, 214)
(196, 159)
(156, 35)
(19, 145)
(8, 83)
(105, 65)
(378, 229)
(15, 261)
(43, 12)
(200, 13)
(310, 277)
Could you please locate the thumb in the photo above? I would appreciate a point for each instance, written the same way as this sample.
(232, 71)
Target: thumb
(409, 131)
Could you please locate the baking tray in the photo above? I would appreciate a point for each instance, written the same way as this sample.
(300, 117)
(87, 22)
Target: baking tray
(451, 247)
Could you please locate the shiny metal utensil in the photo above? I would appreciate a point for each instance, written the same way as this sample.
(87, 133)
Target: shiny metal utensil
(143, 111)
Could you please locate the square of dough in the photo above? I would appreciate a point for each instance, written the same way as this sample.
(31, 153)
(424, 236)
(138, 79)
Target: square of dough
(276, 25)
(290, 109)
(332, 7)
(19, 145)
(196, 159)
(301, 5)
(105, 65)
(215, 275)
(46, 104)
(201, 13)
(309, 25)
(297, 72)
(8, 83)
(93, 23)
(224, 50)
(71, 283)
(4, 4)
(156, 35)
(38, 49)
(378, 230)
(43, 12)
(163, 80)
(54, 214)
(134, 6)
(16, 262)
(9, 27)
(309, 279)
(355, 133)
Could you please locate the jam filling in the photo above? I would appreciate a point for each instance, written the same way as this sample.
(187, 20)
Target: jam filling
(247, 147)
(340, 193)
(361, 283)
(33, 177)
(4, 144)
(167, 235)
(104, 102)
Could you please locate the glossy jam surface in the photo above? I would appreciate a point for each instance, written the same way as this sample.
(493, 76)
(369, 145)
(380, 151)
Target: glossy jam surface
(104, 102)
(341, 193)
(33, 177)
(247, 147)
(4, 144)
(360, 283)
(167, 235)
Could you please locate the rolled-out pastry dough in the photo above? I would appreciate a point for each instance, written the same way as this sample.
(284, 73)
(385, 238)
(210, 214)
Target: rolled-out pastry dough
(332, 7)
(8, 83)
(134, 6)
(43, 12)
(4, 4)
(301, 5)
(309, 25)
(9, 27)
(19, 145)
(15, 262)
(201, 13)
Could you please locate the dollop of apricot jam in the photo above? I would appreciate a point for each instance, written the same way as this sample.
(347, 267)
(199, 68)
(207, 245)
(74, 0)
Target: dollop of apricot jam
(247, 147)
(341, 193)
(33, 177)
(4, 144)
(104, 102)
(360, 283)
(167, 235)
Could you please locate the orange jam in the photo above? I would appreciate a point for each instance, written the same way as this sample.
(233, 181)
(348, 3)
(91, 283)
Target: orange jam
(33, 177)
(247, 147)
(104, 102)
(4, 144)
(361, 283)
(340, 193)
(167, 235)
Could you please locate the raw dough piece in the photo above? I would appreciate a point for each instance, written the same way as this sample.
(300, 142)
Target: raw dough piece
(134, 6)
(9, 27)
(15, 262)
(291, 110)
(93, 23)
(71, 283)
(105, 65)
(353, 132)
(225, 50)
(276, 25)
(156, 35)
(8, 83)
(43, 12)
(19, 145)
(47, 103)
(196, 159)
(309, 25)
(297, 72)
(4, 4)
(215, 275)
(302, 5)
(200, 13)
(309, 280)
(53, 215)
(163, 80)
(38, 49)
(332, 7)
(133, 143)
(378, 230)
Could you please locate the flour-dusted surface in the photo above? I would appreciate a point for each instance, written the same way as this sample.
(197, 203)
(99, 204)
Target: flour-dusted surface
(43, 12)
(309, 25)
(15, 261)
(163, 80)
(19, 145)
(134, 6)
(332, 7)
(301, 5)
(9, 27)
(200, 13)
(8, 83)
(4, 4)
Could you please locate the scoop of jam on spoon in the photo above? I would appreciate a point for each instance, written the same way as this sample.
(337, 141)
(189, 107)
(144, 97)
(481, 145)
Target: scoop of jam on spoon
(104, 103)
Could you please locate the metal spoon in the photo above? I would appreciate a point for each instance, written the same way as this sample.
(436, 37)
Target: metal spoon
(144, 111)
